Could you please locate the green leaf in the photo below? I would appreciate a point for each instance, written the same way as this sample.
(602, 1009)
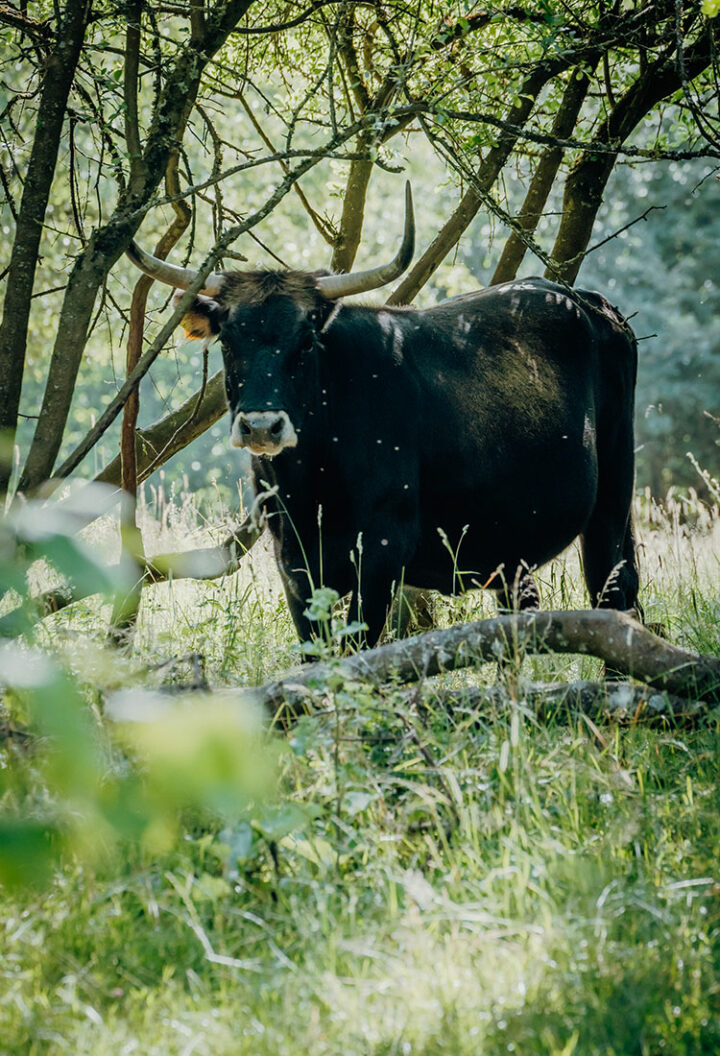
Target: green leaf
(211, 752)
(28, 850)
(281, 821)
(241, 842)
(321, 604)
(355, 627)
(73, 560)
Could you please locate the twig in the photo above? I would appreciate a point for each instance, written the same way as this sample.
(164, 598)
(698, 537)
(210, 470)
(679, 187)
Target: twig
(624, 228)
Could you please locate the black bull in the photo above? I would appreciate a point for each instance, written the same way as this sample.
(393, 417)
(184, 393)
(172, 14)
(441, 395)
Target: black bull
(446, 449)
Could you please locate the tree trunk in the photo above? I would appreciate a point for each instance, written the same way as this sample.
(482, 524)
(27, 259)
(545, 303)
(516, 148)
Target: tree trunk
(349, 233)
(543, 179)
(87, 276)
(108, 243)
(353, 212)
(586, 182)
(57, 81)
(488, 172)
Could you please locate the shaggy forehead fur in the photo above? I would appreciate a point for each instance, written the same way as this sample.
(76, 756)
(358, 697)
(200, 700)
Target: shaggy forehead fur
(254, 287)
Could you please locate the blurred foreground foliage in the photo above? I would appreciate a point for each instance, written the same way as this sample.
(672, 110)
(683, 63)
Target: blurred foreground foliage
(76, 785)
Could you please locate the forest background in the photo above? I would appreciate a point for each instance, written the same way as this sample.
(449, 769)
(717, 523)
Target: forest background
(507, 120)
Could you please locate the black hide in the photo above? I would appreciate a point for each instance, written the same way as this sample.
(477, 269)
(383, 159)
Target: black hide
(448, 449)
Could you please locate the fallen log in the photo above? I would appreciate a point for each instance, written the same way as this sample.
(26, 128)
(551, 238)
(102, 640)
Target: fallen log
(624, 644)
(612, 700)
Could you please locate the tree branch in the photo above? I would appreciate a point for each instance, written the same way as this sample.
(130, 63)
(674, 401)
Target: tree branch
(488, 172)
(42, 32)
(204, 563)
(595, 146)
(321, 225)
(160, 441)
(624, 644)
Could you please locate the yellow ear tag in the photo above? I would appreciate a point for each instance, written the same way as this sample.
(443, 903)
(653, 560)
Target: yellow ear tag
(189, 325)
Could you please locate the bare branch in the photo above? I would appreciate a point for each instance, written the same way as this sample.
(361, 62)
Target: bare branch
(279, 27)
(595, 146)
(42, 32)
(320, 223)
(203, 563)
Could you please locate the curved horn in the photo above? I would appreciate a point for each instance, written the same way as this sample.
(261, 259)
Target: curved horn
(333, 286)
(171, 274)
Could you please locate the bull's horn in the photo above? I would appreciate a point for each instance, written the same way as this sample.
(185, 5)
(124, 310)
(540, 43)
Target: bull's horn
(362, 281)
(171, 274)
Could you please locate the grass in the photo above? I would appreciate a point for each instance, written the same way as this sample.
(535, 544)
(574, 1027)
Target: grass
(474, 884)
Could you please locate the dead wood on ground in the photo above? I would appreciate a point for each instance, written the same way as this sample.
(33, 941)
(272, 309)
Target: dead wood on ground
(614, 637)
(604, 701)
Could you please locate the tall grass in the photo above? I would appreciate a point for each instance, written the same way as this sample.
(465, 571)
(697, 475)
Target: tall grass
(465, 884)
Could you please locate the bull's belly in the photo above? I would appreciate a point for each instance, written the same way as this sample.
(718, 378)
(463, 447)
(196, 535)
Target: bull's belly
(467, 547)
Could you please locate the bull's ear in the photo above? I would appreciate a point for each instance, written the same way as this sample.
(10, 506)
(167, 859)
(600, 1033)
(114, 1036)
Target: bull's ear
(204, 317)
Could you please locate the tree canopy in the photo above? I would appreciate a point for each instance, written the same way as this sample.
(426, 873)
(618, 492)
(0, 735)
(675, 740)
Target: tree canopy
(281, 131)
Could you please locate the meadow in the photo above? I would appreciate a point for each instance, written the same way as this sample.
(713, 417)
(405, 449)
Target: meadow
(416, 882)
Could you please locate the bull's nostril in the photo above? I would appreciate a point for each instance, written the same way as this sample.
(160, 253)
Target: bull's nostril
(245, 429)
(276, 428)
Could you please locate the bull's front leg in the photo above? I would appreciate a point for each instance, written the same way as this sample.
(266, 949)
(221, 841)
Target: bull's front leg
(297, 581)
(380, 574)
(306, 629)
(383, 551)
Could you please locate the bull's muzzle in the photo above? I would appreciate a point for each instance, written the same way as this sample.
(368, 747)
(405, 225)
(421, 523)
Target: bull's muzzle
(264, 432)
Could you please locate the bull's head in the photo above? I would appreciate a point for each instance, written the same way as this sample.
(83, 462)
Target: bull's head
(270, 324)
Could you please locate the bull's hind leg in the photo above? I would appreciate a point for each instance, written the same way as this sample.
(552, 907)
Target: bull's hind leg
(610, 564)
(608, 545)
(608, 542)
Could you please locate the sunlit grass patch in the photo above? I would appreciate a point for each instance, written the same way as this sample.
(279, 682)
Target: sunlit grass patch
(567, 904)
